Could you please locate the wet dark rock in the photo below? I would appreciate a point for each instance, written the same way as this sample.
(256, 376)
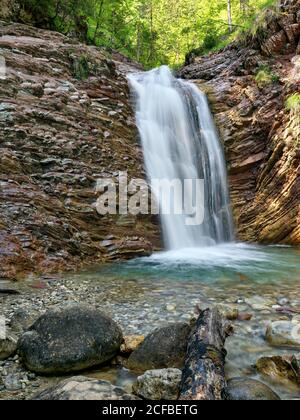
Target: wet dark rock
(69, 339)
(244, 389)
(164, 348)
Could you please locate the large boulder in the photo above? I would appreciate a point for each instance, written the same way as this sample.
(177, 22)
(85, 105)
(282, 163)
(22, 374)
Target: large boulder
(69, 339)
(165, 347)
(284, 334)
(245, 389)
(160, 384)
(84, 389)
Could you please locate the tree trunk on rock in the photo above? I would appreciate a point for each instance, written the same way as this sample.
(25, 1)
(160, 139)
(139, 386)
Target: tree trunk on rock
(204, 374)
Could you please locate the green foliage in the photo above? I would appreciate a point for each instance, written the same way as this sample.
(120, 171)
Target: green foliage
(81, 68)
(293, 102)
(153, 32)
(265, 76)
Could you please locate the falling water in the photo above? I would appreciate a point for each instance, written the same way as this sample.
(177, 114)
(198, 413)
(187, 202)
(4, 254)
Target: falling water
(180, 141)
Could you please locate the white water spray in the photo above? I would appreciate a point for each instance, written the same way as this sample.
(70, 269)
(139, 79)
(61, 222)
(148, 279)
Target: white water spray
(180, 141)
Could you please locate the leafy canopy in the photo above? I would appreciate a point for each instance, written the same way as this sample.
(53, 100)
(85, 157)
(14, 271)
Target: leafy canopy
(153, 32)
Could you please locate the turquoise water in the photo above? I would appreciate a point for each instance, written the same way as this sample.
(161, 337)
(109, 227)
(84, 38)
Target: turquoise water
(210, 265)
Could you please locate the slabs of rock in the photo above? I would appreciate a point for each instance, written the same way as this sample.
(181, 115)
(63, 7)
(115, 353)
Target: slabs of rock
(84, 389)
(164, 348)
(245, 389)
(70, 339)
(284, 368)
(159, 384)
(284, 334)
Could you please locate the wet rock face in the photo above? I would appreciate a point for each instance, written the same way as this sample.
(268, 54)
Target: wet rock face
(65, 121)
(84, 389)
(260, 135)
(69, 340)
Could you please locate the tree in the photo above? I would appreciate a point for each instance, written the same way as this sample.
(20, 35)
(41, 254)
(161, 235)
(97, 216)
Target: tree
(229, 14)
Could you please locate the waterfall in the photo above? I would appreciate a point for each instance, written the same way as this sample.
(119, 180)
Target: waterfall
(180, 141)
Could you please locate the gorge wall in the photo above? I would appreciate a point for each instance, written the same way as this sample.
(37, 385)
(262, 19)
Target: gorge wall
(261, 136)
(65, 121)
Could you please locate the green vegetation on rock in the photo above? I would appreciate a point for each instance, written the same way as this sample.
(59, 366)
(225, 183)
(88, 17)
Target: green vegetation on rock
(293, 102)
(265, 76)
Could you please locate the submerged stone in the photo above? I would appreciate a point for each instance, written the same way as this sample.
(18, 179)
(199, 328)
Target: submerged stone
(84, 389)
(284, 334)
(245, 389)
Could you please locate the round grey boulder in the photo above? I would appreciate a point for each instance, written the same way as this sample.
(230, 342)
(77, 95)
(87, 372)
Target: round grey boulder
(245, 389)
(84, 389)
(164, 348)
(69, 339)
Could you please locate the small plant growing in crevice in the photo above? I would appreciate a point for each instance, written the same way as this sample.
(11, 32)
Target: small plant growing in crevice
(293, 103)
(81, 68)
(265, 76)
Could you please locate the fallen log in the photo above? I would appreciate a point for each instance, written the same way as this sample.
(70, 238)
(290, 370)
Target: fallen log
(203, 375)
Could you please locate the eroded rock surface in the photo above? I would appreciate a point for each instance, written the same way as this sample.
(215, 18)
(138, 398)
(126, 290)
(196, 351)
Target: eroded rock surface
(65, 121)
(261, 136)
(160, 384)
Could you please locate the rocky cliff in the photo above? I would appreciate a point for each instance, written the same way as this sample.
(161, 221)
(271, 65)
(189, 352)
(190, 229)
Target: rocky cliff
(65, 121)
(248, 84)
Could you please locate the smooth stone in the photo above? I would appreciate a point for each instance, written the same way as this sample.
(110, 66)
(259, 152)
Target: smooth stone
(284, 334)
(160, 384)
(283, 301)
(81, 388)
(22, 320)
(280, 368)
(70, 339)
(165, 347)
(259, 303)
(244, 389)
(8, 346)
(12, 382)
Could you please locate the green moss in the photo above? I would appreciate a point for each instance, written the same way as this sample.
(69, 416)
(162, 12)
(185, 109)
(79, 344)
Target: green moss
(265, 76)
(81, 68)
(293, 102)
